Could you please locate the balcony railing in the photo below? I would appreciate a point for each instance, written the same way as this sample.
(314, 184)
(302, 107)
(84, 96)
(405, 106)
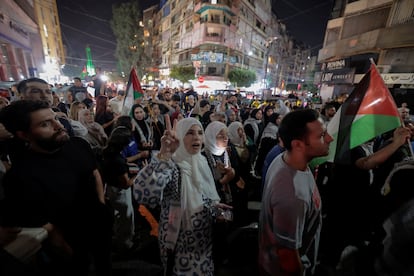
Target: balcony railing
(214, 37)
(203, 20)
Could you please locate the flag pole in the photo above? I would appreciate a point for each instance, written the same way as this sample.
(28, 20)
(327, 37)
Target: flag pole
(402, 122)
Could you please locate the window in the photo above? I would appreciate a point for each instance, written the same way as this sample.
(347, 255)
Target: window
(258, 24)
(212, 70)
(45, 30)
(174, 18)
(6, 59)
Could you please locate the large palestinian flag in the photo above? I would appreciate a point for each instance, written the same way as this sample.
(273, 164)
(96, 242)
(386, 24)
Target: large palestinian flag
(133, 91)
(368, 112)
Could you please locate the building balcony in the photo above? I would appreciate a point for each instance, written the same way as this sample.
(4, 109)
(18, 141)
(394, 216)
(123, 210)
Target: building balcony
(363, 5)
(212, 20)
(213, 37)
(397, 36)
(222, 5)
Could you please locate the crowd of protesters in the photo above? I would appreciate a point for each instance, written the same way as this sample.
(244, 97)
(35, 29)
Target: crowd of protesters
(80, 167)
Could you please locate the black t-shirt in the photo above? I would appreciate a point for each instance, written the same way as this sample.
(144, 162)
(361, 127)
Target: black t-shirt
(78, 93)
(97, 83)
(103, 119)
(113, 167)
(58, 188)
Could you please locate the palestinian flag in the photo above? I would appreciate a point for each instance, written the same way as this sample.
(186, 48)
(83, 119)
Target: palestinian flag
(133, 92)
(368, 112)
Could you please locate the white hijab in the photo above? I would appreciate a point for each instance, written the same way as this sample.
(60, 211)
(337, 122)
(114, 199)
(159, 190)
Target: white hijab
(212, 131)
(234, 136)
(196, 177)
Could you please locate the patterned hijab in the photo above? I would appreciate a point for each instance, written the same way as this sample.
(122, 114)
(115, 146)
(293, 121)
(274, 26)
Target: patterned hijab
(196, 177)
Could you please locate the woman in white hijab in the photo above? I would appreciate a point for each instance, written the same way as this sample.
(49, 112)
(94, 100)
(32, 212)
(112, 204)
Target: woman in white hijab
(218, 158)
(95, 135)
(180, 180)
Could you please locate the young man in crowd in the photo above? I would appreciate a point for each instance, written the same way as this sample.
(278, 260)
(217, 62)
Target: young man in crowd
(290, 218)
(54, 183)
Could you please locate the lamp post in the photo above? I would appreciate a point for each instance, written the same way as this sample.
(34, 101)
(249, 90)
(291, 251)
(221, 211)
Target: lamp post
(268, 44)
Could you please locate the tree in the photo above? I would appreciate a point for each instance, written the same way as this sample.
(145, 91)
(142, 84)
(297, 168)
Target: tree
(242, 77)
(129, 35)
(182, 73)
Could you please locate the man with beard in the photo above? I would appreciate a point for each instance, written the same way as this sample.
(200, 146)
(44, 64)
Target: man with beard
(35, 89)
(290, 217)
(54, 183)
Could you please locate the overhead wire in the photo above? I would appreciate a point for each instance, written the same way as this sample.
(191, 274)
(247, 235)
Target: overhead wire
(94, 60)
(88, 34)
(87, 15)
(305, 11)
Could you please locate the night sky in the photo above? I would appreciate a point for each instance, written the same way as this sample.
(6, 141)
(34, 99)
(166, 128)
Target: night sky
(305, 19)
(86, 22)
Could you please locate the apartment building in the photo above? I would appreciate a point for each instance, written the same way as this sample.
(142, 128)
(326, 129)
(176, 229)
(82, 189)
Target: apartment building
(30, 39)
(379, 29)
(215, 36)
(19, 41)
(49, 29)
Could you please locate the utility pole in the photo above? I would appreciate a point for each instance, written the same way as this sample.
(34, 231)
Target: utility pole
(268, 45)
(227, 68)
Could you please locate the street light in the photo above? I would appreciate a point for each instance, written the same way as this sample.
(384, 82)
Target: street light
(268, 44)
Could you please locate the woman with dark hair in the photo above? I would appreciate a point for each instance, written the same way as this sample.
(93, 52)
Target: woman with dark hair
(267, 112)
(104, 115)
(176, 115)
(131, 152)
(157, 124)
(253, 126)
(115, 174)
(268, 140)
(206, 118)
(200, 108)
(142, 131)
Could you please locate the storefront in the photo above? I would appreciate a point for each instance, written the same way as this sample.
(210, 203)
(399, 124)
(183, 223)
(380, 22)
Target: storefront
(16, 44)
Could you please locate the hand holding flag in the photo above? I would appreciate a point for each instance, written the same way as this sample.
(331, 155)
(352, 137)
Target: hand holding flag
(133, 92)
(368, 112)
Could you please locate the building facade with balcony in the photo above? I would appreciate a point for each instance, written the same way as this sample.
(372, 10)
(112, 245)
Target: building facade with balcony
(215, 36)
(19, 41)
(151, 20)
(378, 29)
